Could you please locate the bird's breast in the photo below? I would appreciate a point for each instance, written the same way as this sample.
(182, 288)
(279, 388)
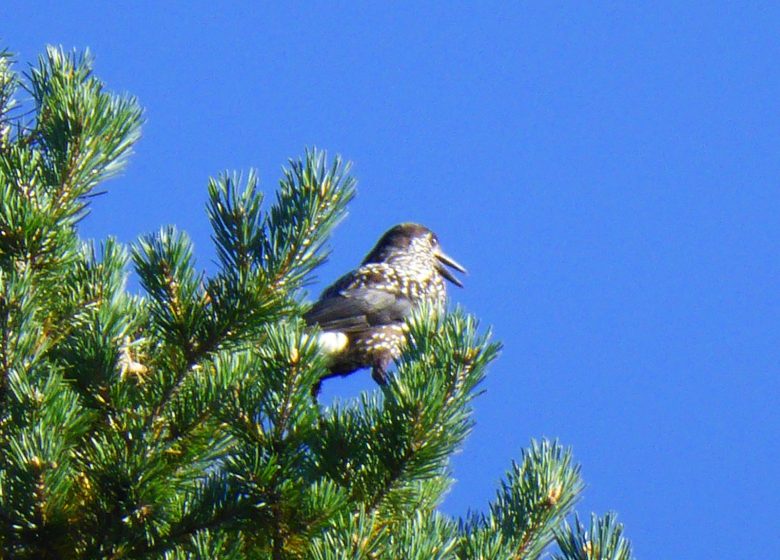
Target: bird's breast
(417, 283)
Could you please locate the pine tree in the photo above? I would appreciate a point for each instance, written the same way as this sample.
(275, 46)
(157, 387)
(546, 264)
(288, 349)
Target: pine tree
(180, 423)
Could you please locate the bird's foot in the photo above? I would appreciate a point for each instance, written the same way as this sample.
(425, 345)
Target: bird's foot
(379, 375)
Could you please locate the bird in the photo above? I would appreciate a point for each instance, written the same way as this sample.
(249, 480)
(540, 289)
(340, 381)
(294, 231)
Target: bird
(361, 316)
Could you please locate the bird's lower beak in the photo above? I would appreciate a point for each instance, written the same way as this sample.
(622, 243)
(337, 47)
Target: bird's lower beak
(444, 262)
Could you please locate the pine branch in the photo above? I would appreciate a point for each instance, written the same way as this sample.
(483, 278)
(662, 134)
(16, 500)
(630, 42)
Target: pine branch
(311, 200)
(210, 544)
(214, 505)
(386, 451)
(90, 332)
(22, 341)
(266, 258)
(8, 84)
(423, 536)
(39, 468)
(32, 235)
(236, 217)
(164, 263)
(533, 500)
(261, 266)
(86, 133)
(275, 422)
(603, 540)
(358, 536)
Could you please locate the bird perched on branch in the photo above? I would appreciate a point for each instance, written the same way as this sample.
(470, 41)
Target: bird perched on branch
(362, 314)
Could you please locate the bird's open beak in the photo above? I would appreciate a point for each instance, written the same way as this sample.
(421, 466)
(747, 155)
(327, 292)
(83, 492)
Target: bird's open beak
(444, 262)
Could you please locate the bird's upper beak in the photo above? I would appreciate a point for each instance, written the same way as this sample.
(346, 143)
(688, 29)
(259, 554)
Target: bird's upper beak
(444, 262)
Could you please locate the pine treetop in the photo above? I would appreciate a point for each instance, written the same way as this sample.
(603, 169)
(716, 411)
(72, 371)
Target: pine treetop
(180, 424)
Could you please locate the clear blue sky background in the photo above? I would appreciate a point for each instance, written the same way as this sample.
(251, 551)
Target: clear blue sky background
(609, 172)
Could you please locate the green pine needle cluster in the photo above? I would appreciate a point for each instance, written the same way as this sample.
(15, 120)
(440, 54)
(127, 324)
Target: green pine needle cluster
(180, 424)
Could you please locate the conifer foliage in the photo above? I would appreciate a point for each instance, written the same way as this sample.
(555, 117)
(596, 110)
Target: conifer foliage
(180, 423)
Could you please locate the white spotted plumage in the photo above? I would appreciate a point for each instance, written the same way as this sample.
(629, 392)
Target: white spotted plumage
(369, 305)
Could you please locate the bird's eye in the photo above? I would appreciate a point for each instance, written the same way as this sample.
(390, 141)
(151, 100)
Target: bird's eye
(434, 239)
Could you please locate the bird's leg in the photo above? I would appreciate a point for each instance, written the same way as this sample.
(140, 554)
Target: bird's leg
(379, 374)
(379, 369)
(315, 390)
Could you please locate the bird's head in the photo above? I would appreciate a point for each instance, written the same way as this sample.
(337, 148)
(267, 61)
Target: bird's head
(414, 244)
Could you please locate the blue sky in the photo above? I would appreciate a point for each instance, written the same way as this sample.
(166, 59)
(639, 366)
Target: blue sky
(608, 172)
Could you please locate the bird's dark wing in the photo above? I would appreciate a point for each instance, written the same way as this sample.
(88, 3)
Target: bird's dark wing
(358, 308)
